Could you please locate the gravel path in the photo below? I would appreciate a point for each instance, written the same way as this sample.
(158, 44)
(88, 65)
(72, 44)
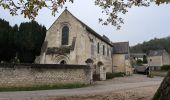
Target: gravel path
(114, 86)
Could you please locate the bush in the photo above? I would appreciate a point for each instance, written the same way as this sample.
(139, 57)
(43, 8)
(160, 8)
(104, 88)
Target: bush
(110, 75)
(160, 73)
(165, 67)
(139, 62)
(145, 61)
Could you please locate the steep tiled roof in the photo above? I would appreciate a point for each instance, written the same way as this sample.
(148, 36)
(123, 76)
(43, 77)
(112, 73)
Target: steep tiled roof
(156, 52)
(120, 48)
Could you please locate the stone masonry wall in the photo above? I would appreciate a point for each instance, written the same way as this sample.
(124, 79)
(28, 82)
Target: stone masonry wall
(119, 62)
(42, 74)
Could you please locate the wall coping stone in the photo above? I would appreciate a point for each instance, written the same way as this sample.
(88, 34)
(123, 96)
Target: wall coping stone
(43, 66)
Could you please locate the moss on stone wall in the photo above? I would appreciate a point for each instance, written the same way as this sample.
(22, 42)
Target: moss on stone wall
(62, 50)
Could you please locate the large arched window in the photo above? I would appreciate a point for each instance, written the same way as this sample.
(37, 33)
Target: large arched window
(65, 35)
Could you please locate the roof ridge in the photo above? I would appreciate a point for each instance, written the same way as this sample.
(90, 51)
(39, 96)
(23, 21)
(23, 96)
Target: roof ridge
(122, 42)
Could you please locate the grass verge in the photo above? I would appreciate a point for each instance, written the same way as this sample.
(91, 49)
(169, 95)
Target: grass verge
(43, 87)
(159, 73)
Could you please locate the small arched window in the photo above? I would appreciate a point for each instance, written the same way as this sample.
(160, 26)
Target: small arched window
(65, 35)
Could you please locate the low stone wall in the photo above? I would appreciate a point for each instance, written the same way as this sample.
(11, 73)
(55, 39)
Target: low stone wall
(43, 74)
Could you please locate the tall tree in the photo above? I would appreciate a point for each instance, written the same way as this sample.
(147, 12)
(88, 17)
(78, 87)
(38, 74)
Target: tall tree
(32, 36)
(154, 44)
(5, 36)
(24, 41)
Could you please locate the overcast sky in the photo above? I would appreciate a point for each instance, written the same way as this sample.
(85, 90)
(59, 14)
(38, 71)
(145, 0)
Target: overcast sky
(141, 23)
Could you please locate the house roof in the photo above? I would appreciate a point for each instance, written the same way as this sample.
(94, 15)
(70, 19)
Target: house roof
(138, 55)
(120, 48)
(90, 30)
(156, 52)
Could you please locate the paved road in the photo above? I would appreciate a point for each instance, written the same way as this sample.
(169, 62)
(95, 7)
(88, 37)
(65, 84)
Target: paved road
(107, 86)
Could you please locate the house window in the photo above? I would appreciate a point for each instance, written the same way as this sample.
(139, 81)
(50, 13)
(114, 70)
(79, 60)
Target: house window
(98, 48)
(65, 35)
(92, 49)
(103, 50)
(107, 51)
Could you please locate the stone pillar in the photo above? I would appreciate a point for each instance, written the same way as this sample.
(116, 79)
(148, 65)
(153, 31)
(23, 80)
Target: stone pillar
(102, 73)
(89, 62)
(91, 72)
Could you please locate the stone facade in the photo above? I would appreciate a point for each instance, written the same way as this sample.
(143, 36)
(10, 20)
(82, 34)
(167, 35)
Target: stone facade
(121, 58)
(46, 74)
(121, 64)
(157, 58)
(155, 61)
(82, 44)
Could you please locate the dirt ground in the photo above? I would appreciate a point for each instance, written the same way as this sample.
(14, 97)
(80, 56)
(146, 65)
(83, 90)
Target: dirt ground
(142, 93)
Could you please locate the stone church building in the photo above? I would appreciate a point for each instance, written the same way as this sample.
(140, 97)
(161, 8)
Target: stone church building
(70, 41)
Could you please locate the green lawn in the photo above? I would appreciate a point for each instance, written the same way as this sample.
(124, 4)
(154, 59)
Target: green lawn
(159, 73)
(43, 87)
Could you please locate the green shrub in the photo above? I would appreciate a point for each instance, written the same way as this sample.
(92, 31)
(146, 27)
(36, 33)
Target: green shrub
(139, 62)
(110, 75)
(145, 61)
(165, 67)
(119, 74)
(160, 73)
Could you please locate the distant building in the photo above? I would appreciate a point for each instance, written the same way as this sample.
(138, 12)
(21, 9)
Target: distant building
(137, 56)
(157, 58)
(121, 58)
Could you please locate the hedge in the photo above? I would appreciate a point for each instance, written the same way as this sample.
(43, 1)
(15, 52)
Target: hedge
(165, 67)
(110, 75)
